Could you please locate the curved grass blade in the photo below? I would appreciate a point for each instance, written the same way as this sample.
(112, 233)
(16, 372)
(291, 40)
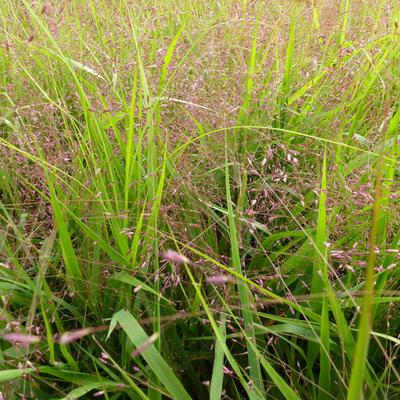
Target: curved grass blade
(156, 362)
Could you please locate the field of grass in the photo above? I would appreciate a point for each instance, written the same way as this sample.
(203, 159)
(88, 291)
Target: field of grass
(199, 199)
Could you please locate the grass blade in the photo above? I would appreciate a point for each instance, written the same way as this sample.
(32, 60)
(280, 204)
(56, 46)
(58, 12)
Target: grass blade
(158, 365)
(364, 329)
(218, 374)
(255, 371)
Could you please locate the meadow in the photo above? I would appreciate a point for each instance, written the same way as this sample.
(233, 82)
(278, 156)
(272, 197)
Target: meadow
(199, 199)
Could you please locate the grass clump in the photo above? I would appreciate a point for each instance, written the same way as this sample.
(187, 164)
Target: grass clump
(199, 200)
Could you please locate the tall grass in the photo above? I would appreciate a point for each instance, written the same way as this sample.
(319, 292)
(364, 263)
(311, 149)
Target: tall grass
(199, 200)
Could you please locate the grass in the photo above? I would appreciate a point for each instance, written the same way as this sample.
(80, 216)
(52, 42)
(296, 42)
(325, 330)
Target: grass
(199, 200)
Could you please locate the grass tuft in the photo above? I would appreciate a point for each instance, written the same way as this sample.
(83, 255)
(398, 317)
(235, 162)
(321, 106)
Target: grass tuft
(199, 199)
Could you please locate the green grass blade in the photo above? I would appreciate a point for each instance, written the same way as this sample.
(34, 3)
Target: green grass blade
(364, 329)
(168, 55)
(255, 371)
(69, 255)
(10, 374)
(218, 373)
(286, 86)
(345, 10)
(156, 362)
